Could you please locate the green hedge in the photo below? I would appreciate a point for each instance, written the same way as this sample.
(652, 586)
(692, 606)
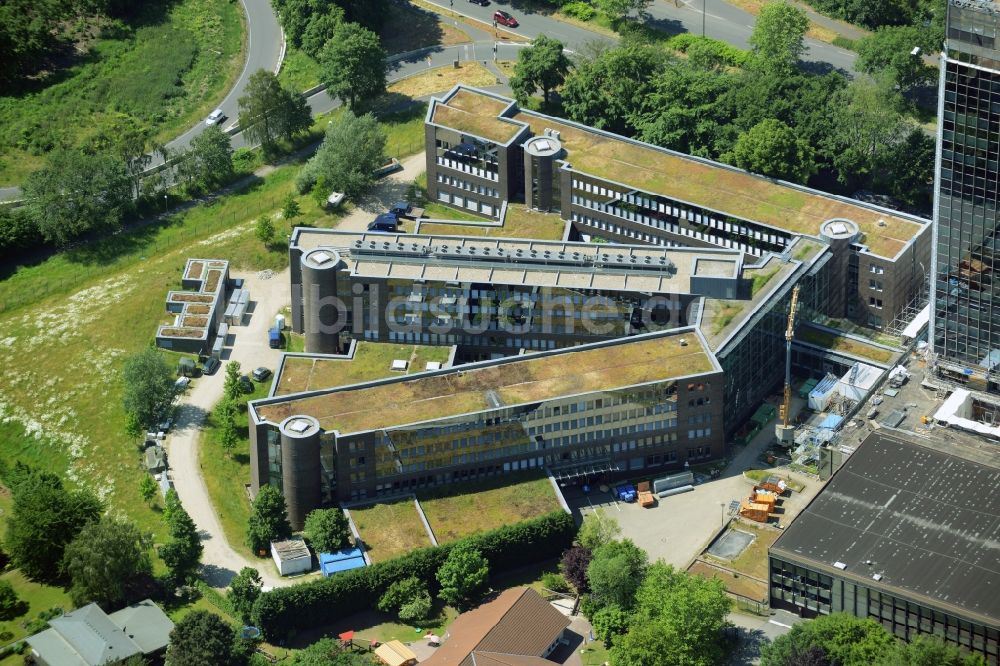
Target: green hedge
(282, 612)
(726, 53)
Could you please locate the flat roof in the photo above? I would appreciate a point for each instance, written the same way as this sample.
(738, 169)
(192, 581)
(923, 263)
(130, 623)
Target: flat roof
(697, 181)
(471, 112)
(511, 381)
(370, 361)
(655, 270)
(928, 521)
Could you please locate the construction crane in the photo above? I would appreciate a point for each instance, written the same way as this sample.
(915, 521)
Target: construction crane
(785, 431)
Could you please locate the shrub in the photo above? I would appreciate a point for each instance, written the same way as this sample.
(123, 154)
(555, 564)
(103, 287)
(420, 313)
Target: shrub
(555, 582)
(725, 53)
(580, 10)
(283, 611)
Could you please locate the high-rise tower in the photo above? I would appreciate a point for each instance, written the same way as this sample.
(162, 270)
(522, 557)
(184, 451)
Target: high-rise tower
(965, 323)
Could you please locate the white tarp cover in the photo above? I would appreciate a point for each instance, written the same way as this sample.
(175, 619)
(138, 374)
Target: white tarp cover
(819, 397)
(914, 328)
(956, 411)
(858, 381)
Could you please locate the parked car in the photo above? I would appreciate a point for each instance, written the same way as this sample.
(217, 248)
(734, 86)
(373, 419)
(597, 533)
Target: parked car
(182, 383)
(386, 223)
(503, 18)
(274, 338)
(481, 3)
(245, 384)
(210, 365)
(215, 117)
(260, 374)
(334, 200)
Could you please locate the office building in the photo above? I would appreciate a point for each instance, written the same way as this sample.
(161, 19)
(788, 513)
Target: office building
(907, 532)
(966, 299)
(483, 150)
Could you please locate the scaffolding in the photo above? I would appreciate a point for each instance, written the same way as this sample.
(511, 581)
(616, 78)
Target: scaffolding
(909, 311)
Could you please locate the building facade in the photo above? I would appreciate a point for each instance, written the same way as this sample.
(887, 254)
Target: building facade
(966, 312)
(617, 189)
(653, 401)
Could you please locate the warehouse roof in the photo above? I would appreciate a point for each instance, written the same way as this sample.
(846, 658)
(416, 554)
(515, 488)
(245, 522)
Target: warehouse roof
(489, 384)
(926, 522)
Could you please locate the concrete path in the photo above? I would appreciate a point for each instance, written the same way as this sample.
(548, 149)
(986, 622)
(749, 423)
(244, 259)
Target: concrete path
(390, 189)
(220, 560)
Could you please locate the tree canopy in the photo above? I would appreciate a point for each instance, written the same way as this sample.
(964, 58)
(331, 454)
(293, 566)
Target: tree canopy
(889, 52)
(147, 387)
(268, 519)
(107, 562)
(201, 638)
(269, 112)
(543, 65)
(353, 64)
(778, 37)
(182, 554)
(463, 575)
(244, 589)
(771, 148)
(616, 569)
(44, 519)
(327, 530)
(76, 193)
(327, 652)
(209, 161)
(353, 147)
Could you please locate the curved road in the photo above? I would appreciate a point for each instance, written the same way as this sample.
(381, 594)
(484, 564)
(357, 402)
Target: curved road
(264, 51)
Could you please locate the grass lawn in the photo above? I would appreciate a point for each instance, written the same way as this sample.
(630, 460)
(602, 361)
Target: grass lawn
(843, 344)
(390, 530)
(39, 597)
(594, 654)
(443, 79)
(163, 72)
(371, 361)
(226, 474)
(487, 505)
(299, 71)
(519, 223)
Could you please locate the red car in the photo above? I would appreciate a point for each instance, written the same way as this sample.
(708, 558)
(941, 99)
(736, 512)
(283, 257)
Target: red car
(503, 18)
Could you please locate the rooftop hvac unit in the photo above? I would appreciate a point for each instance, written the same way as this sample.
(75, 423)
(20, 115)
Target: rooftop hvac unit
(683, 342)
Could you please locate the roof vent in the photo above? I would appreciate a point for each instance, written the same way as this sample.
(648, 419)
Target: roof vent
(683, 342)
(877, 577)
(881, 222)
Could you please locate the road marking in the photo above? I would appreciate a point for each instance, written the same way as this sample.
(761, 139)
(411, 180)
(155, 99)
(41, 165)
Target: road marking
(780, 624)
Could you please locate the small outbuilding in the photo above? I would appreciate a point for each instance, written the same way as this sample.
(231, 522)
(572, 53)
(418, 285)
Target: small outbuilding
(155, 459)
(394, 653)
(342, 560)
(291, 556)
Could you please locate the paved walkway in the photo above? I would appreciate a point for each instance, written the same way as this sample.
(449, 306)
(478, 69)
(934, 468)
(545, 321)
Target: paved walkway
(221, 561)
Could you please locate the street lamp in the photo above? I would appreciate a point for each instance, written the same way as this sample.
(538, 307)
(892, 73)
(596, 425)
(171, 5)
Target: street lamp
(722, 506)
(165, 195)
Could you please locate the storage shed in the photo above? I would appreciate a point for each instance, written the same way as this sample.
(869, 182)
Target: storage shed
(291, 556)
(394, 653)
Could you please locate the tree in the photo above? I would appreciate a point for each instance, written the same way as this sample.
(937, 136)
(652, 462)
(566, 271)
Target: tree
(182, 554)
(75, 193)
(228, 431)
(888, 52)
(44, 519)
(353, 64)
(598, 529)
(541, 65)
(678, 620)
(201, 638)
(264, 229)
(327, 530)
(574, 565)
(171, 504)
(462, 575)
(231, 390)
(408, 599)
(10, 605)
(353, 147)
(147, 489)
(209, 161)
(772, 148)
(106, 562)
(268, 112)
(614, 573)
(290, 210)
(909, 175)
(610, 622)
(147, 386)
(243, 592)
(845, 639)
(778, 37)
(268, 519)
(605, 91)
(929, 651)
(617, 10)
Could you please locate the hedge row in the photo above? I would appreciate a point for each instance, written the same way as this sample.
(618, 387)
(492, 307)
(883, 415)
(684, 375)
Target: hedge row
(282, 612)
(722, 51)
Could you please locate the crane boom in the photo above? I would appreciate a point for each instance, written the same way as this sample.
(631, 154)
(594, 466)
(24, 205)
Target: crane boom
(784, 431)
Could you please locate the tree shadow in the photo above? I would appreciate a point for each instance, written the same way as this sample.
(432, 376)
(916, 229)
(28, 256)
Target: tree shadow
(821, 68)
(747, 645)
(408, 28)
(217, 576)
(670, 27)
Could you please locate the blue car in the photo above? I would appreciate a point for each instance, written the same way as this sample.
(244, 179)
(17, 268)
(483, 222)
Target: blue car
(386, 223)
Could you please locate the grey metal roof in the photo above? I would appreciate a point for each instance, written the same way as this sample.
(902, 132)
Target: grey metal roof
(84, 636)
(927, 522)
(145, 624)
